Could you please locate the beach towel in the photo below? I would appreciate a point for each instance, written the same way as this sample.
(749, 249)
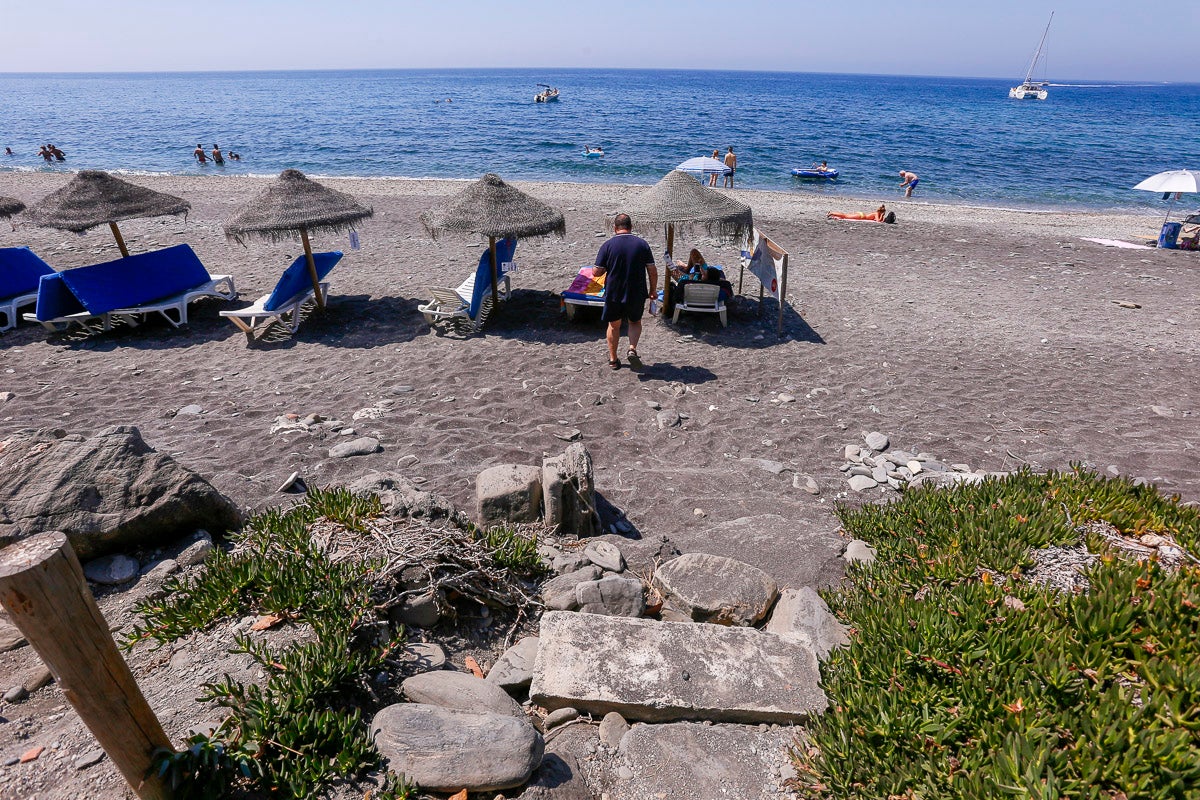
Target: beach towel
(586, 286)
(1117, 243)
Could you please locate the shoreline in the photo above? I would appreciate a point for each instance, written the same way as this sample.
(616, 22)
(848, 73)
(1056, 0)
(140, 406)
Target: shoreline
(767, 204)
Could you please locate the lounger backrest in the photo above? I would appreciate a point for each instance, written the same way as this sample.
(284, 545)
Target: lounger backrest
(295, 279)
(131, 281)
(505, 249)
(55, 299)
(701, 294)
(20, 271)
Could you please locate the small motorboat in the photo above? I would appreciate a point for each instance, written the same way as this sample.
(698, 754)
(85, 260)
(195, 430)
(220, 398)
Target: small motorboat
(593, 152)
(816, 173)
(549, 94)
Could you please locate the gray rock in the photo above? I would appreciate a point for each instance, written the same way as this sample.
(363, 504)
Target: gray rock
(558, 594)
(421, 611)
(514, 670)
(900, 456)
(705, 588)
(815, 551)
(197, 550)
(508, 493)
(945, 480)
(402, 498)
(561, 716)
(861, 469)
(664, 671)
(803, 615)
(859, 551)
(879, 475)
(10, 637)
(89, 758)
(930, 465)
(807, 483)
(668, 418)
(16, 694)
(851, 453)
(703, 762)
(569, 492)
(612, 596)
(362, 446)
(460, 690)
(605, 555)
(560, 777)
(876, 441)
(189, 411)
(445, 750)
(860, 483)
(766, 464)
(612, 728)
(570, 562)
(105, 493)
(423, 657)
(111, 570)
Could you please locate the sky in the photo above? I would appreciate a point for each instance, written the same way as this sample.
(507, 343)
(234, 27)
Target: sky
(1098, 40)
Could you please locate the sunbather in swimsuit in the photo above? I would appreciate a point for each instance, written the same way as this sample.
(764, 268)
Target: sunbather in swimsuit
(877, 215)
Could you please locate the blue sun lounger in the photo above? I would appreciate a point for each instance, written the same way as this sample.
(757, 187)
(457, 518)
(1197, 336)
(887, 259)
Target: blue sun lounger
(471, 302)
(160, 282)
(293, 291)
(20, 271)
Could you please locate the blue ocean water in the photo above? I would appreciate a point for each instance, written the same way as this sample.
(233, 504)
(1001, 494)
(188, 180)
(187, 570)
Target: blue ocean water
(1083, 148)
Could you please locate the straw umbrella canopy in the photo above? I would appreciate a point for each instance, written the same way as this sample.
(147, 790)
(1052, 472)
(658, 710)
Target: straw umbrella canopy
(680, 199)
(294, 203)
(10, 206)
(494, 209)
(95, 198)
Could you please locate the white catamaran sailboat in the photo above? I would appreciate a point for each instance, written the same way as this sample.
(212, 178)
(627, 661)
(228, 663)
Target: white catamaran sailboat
(1031, 89)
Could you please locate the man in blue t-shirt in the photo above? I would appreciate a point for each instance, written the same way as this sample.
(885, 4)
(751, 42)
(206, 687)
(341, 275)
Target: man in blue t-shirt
(627, 261)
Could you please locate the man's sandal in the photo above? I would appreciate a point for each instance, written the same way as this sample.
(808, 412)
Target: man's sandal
(614, 364)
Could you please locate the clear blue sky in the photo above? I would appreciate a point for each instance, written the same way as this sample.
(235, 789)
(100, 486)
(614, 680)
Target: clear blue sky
(1091, 39)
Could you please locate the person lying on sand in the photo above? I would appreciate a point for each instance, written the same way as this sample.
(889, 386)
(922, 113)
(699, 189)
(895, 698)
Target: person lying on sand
(880, 214)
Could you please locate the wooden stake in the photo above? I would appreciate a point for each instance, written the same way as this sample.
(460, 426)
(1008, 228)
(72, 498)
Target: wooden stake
(120, 239)
(782, 293)
(495, 273)
(668, 303)
(43, 589)
(312, 268)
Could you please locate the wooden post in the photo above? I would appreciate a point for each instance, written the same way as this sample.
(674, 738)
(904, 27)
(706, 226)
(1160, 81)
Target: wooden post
(43, 589)
(495, 274)
(120, 239)
(782, 293)
(668, 302)
(312, 268)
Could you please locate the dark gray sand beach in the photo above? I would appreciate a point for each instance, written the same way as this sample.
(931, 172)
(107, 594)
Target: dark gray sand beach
(988, 337)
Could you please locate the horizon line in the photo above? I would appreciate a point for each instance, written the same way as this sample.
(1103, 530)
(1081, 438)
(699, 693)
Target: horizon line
(1110, 81)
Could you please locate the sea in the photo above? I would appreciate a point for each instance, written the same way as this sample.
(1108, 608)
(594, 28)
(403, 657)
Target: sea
(1083, 148)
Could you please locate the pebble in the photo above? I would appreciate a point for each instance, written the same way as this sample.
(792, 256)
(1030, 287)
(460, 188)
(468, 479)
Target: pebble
(860, 483)
(876, 441)
(197, 551)
(16, 694)
(6, 396)
(668, 419)
(606, 556)
(786, 398)
(356, 447)
(560, 716)
(699, 512)
(914, 466)
(861, 470)
(859, 551)
(89, 758)
(654, 404)
(807, 483)
(111, 570)
(879, 475)
(295, 482)
(189, 411)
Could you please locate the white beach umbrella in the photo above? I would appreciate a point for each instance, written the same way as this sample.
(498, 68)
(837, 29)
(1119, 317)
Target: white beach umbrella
(704, 165)
(1173, 182)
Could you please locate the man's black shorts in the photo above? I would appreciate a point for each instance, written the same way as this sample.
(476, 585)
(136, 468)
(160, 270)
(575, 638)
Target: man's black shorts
(616, 311)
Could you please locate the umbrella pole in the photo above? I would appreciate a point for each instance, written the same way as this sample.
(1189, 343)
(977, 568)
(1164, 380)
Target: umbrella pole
(495, 273)
(312, 268)
(120, 240)
(667, 305)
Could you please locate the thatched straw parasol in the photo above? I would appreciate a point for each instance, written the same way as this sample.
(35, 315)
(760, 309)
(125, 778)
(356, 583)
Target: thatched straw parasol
(491, 207)
(10, 206)
(680, 199)
(294, 203)
(94, 198)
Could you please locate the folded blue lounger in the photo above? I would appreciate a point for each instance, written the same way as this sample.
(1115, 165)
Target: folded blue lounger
(20, 271)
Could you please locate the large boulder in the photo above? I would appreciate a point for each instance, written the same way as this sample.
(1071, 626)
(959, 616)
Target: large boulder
(569, 492)
(402, 498)
(460, 691)
(508, 493)
(112, 491)
(698, 587)
(666, 671)
(446, 750)
(813, 556)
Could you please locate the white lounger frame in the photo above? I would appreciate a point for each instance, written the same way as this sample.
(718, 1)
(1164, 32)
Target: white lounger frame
(704, 298)
(453, 304)
(220, 287)
(254, 320)
(10, 309)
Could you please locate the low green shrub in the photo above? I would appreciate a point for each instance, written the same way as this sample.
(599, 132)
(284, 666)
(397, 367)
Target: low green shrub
(963, 680)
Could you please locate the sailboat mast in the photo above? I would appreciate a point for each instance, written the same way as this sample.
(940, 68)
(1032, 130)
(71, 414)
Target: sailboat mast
(1037, 55)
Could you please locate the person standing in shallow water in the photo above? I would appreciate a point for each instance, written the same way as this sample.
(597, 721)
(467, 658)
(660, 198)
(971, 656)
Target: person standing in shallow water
(712, 179)
(217, 158)
(200, 155)
(731, 162)
(627, 260)
(910, 181)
